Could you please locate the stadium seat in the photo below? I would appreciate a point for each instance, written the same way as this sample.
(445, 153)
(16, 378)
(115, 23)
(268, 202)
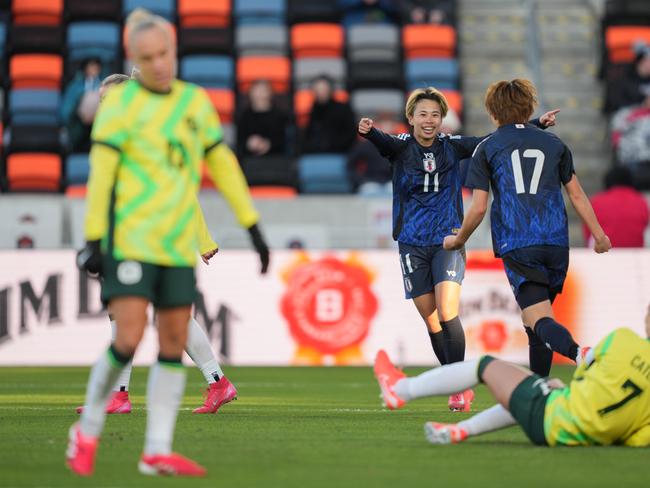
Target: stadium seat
(93, 39)
(270, 170)
(93, 10)
(261, 40)
(317, 40)
(208, 70)
(224, 103)
(274, 192)
(306, 69)
(379, 42)
(205, 40)
(303, 100)
(441, 73)
(3, 39)
(36, 71)
(76, 191)
(454, 100)
(34, 107)
(164, 8)
(370, 103)
(77, 167)
(36, 38)
(620, 40)
(204, 13)
(375, 74)
(313, 11)
(626, 12)
(324, 173)
(429, 41)
(30, 138)
(259, 12)
(37, 12)
(275, 69)
(33, 172)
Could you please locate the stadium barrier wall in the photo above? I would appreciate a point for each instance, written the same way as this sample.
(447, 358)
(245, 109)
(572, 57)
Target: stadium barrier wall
(312, 307)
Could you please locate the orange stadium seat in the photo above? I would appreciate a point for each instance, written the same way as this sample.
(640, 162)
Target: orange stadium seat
(34, 172)
(37, 12)
(76, 191)
(303, 101)
(284, 192)
(204, 13)
(429, 41)
(316, 40)
(224, 103)
(36, 71)
(276, 69)
(620, 40)
(454, 100)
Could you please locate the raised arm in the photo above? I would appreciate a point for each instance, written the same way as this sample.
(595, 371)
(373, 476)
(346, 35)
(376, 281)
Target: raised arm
(387, 145)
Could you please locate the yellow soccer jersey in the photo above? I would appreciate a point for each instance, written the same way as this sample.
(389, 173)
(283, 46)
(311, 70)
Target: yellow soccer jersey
(143, 204)
(608, 400)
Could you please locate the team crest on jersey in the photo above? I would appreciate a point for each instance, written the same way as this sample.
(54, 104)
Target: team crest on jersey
(429, 162)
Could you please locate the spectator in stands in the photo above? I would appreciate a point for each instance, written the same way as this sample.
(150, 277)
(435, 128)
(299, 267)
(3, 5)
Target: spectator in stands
(621, 210)
(427, 11)
(370, 172)
(631, 134)
(331, 127)
(79, 104)
(368, 12)
(261, 126)
(634, 88)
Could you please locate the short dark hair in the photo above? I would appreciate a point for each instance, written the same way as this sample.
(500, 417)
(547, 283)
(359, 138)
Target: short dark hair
(619, 176)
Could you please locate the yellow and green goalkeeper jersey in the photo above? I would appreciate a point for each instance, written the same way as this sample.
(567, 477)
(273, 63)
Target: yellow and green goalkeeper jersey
(149, 212)
(608, 400)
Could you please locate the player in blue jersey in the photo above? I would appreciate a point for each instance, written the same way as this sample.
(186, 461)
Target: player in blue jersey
(427, 206)
(526, 168)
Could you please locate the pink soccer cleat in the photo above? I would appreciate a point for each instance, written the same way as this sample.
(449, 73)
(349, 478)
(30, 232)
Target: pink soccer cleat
(80, 456)
(437, 433)
(387, 375)
(169, 465)
(461, 402)
(217, 394)
(118, 403)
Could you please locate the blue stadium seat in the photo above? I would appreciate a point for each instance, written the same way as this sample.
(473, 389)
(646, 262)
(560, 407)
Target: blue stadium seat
(164, 8)
(248, 12)
(34, 107)
(3, 38)
(208, 71)
(441, 73)
(324, 173)
(93, 39)
(77, 167)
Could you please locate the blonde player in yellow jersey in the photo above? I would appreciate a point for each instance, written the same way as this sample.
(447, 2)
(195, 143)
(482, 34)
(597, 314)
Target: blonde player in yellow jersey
(149, 139)
(607, 401)
(220, 390)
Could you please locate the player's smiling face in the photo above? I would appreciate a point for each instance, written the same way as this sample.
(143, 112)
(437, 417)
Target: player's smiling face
(426, 120)
(154, 55)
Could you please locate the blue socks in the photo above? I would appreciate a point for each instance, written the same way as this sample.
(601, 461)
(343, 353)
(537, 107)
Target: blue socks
(557, 337)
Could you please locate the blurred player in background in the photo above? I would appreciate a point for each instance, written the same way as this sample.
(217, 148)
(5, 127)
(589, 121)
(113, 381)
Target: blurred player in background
(149, 139)
(220, 390)
(526, 168)
(427, 206)
(607, 401)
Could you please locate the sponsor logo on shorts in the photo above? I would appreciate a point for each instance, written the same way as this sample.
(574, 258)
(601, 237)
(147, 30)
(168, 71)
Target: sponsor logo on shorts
(408, 285)
(129, 272)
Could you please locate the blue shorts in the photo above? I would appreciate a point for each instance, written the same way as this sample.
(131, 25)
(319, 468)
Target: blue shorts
(544, 265)
(423, 267)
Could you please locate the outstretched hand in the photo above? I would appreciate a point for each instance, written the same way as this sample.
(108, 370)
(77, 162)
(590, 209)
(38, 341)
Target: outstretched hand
(365, 125)
(548, 119)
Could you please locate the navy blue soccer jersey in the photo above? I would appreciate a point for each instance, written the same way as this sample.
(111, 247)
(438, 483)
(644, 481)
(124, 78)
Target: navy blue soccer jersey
(526, 168)
(427, 198)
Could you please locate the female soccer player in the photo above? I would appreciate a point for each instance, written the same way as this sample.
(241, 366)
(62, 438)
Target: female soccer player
(149, 139)
(427, 206)
(607, 401)
(526, 169)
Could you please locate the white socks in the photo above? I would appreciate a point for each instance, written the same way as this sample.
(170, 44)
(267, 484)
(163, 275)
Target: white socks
(445, 380)
(494, 418)
(199, 349)
(125, 375)
(164, 393)
(102, 378)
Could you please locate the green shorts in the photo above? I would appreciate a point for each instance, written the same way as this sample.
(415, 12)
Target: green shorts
(163, 286)
(527, 405)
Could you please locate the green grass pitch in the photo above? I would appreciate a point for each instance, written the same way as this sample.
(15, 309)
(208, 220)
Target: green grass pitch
(291, 427)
